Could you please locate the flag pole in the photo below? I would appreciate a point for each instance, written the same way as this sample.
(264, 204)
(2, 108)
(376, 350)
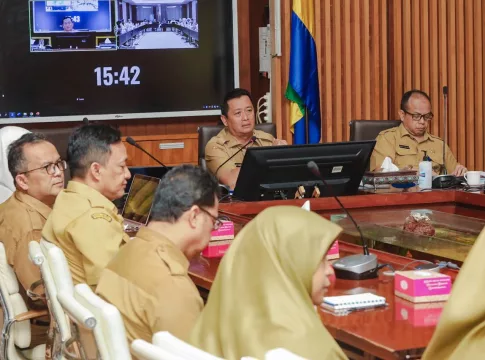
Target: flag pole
(307, 131)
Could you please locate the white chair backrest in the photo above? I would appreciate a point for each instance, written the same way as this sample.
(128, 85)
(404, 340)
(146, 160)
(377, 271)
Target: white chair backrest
(174, 345)
(39, 255)
(281, 354)
(12, 304)
(65, 288)
(109, 332)
(146, 351)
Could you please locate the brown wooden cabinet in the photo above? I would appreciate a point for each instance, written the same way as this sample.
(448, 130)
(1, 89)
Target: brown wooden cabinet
(173, 149)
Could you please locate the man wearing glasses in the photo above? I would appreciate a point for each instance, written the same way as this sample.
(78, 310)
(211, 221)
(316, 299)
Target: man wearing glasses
(407, 144)
(148, 279)
(38, 173)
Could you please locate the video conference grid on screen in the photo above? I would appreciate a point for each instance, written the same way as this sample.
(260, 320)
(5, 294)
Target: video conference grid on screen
(107, 25)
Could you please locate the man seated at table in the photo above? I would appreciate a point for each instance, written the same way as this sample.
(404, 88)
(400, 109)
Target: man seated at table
(38, 173)
(239, 120)
(148, 279)
(407, 144)
(84, 222)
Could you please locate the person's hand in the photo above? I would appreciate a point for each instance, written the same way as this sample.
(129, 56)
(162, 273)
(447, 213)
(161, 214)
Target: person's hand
(278, 142)
(460, 170)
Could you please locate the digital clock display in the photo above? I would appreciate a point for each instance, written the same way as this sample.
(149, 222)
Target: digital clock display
(105, 76)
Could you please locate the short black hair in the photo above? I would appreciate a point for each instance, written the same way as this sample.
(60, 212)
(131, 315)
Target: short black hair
(234, 94)
(67, 17)
(407, 95)
(180, 189)
(17, 162)
(89, 144)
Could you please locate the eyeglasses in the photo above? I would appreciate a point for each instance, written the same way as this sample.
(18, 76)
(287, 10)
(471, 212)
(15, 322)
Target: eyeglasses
(417, 117)
(217, 222)
(50, 168)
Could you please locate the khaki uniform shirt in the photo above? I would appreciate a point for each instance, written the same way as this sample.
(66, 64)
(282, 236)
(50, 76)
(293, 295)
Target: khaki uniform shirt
(148, 282)
(222, 146)
(404, 150)
(88, 229)
(22, 218)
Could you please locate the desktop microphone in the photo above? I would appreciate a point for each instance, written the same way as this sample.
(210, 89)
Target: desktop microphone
(85, 121)
(132, 142)
(353, 267)
(445, 122)
(252, 140)
(444, 180)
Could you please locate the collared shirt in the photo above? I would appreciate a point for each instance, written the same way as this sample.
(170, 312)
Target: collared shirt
(22, 218)
(404, 150)
(148, 282)
(87, 227)
(222, 146)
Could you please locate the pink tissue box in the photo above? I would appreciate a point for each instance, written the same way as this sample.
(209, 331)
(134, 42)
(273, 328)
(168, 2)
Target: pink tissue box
(424, 314)
(225, 232)
(333, 253)
(216, 248)
(422, 286)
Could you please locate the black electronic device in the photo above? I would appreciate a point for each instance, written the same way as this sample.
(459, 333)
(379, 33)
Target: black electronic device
(275, 172)
(113, 51)
(447, 181)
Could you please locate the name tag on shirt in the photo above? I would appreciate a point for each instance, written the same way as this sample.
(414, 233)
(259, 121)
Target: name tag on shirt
(238, 164)
(404, 147)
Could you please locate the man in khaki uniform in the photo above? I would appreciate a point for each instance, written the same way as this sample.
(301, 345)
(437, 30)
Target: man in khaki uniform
(239, 120)
(38, 174)
(84, 222)
(148, 279)
(408, 143)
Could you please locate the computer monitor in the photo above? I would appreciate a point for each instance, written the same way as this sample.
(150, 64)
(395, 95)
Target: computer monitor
(276, 172)
(74, 41)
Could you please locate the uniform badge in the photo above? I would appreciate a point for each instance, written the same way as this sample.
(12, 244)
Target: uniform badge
(102, 216)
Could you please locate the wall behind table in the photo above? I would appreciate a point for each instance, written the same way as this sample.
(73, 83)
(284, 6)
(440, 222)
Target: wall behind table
(372, 51)
(152, 132)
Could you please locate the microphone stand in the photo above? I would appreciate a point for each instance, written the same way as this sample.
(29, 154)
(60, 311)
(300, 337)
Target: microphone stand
(353, 267)
(445, 120)
(132, 142)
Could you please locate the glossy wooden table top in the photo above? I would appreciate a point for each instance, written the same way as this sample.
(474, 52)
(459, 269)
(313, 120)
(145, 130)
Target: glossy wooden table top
(380, 332)
(458, 202)
(400, 329)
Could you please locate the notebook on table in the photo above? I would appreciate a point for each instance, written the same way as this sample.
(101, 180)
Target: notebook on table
(349, 303)
(139, 201)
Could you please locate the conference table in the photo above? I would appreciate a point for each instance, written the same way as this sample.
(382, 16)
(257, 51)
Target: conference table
(128, 36)
(402, 330)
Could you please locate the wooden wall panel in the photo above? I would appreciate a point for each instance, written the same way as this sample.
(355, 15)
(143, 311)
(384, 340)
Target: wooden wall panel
(352, 48)
(372, 51)
(446, 49)
(170, 157)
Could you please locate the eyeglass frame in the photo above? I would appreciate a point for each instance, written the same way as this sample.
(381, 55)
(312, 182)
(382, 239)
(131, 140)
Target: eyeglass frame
(421, 116)
(56, 164)
(217, 220)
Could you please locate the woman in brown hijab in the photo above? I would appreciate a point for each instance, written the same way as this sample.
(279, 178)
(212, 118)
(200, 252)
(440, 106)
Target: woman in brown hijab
(266, 287)
(460, 333)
